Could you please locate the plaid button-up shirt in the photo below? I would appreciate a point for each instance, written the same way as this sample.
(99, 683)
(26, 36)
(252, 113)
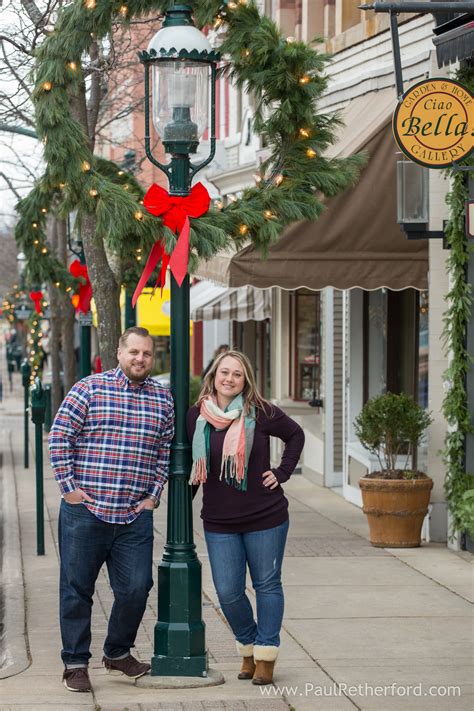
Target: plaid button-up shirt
(111, 438)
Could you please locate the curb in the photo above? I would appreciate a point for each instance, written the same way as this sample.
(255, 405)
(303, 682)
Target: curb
(15, 657)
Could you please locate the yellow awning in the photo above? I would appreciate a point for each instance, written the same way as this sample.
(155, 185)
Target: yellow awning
(150, 312)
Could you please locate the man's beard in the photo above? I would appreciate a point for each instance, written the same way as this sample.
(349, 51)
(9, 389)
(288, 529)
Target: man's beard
(135, 378)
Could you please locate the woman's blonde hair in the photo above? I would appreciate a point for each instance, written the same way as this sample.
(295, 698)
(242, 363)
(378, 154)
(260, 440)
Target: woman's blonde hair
(251, 394)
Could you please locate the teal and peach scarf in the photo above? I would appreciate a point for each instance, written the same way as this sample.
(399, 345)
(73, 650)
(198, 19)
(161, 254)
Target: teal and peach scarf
(237, 446)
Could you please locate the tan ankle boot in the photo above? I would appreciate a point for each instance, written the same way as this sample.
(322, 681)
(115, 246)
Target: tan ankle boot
(248, 664)
(247, 669)
(265, 658)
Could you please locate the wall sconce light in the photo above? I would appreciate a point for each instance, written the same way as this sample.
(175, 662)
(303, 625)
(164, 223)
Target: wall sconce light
(413, 201)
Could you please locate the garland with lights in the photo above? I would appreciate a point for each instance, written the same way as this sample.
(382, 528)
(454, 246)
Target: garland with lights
(35, 351)
(8, 305)
(32, 326)
(459, 485)
(284, 76)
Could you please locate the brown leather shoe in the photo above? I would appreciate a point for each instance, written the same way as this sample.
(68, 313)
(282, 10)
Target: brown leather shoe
(263, 673)
(77, 679)
(129, 666)
(248, 668)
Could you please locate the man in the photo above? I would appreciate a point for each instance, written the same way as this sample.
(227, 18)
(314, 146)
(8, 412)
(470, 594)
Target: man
(109, 446)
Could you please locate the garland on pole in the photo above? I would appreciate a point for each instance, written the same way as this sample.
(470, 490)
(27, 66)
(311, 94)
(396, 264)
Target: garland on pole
(35, 351)
(284, 76)
(459, 484)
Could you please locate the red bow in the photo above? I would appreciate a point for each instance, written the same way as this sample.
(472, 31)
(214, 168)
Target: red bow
(176, 211)
(36, 297)
(79, 271)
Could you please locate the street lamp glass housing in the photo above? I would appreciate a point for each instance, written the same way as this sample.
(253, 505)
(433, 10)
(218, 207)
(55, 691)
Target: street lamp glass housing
(183, 69)
(180, 100)
(21, 262)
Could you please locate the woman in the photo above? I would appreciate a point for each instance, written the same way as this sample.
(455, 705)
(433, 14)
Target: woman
(245, 512)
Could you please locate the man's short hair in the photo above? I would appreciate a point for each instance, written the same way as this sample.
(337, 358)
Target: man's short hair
(135, 331)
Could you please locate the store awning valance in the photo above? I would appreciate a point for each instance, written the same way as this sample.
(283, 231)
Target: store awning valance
(199, 294)
(356, 242)
(454, 40)
(243, 304)
(210, 302)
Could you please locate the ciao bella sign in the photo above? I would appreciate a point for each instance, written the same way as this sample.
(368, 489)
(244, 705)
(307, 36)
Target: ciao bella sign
(434, 123)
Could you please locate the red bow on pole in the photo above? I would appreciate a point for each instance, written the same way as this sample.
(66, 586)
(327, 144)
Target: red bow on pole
(176, 211)
(36, 297)
(79, 271)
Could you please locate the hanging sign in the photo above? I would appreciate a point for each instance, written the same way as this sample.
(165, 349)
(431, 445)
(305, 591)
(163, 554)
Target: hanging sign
(434, 123)
(85, 319)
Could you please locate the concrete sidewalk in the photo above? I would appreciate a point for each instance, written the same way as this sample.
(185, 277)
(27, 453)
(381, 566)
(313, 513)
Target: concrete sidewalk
(355, 615)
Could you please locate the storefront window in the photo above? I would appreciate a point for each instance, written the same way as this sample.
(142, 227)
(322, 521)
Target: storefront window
(254, 339)
(395, 344)
(376, 321)
(306, 380)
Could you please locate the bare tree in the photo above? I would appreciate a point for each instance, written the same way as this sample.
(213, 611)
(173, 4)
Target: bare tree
(101, 101)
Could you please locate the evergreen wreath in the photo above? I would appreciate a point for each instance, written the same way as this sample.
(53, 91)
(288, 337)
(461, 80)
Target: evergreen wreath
(285, 77)
(459, 484)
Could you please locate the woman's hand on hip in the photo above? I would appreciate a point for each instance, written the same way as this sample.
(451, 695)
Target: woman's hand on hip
(269, 480)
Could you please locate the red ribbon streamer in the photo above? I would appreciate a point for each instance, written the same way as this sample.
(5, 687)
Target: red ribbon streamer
(79, 271)
(175, 210)
(36, 297)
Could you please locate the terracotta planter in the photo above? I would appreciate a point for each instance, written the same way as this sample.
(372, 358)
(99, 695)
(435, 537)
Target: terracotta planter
(395, 510)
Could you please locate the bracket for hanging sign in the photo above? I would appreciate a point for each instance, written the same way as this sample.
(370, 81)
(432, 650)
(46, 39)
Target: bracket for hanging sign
(434, 145)
(470, 218)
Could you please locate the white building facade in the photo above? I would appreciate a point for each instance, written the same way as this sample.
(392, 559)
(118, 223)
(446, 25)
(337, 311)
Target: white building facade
(325, 350)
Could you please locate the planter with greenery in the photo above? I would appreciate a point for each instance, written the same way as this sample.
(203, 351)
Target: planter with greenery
(395, 498)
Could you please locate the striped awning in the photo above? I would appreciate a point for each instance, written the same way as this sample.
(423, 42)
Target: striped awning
(199, 295)
(454, 40)
(245, 303)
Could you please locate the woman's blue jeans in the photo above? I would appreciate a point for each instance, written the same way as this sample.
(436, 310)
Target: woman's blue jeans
(85, 544)
(262, 551)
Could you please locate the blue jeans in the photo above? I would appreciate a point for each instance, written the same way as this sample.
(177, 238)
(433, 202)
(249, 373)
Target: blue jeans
(85, 544)
(262, 551)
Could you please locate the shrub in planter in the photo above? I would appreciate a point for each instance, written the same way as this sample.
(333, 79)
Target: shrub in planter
(395, 498)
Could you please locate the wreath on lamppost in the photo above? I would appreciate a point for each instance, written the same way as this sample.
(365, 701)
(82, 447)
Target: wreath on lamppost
(284, 76)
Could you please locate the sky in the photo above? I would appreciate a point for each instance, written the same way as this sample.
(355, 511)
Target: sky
(20, 156)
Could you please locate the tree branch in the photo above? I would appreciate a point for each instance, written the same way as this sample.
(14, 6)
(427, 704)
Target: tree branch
(20, 47)
(10, 185)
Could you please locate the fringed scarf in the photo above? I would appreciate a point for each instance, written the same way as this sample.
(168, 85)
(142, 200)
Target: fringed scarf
(237, 445)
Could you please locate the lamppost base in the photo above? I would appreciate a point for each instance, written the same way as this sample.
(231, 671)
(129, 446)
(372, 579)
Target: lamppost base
(212, 678)
(163, 665)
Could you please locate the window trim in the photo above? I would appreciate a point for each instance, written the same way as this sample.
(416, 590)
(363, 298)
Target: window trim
(293, 359)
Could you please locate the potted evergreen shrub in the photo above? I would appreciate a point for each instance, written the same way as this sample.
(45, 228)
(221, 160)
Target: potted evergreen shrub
(396, 498)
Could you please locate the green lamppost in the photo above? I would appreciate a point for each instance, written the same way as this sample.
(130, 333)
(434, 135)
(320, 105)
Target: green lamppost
(183, 67)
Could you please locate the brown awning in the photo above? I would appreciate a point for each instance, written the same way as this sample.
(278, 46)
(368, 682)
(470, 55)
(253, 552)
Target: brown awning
(355, 243)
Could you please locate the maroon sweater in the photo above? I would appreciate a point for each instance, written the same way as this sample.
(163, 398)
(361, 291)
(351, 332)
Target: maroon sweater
(228, 510)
